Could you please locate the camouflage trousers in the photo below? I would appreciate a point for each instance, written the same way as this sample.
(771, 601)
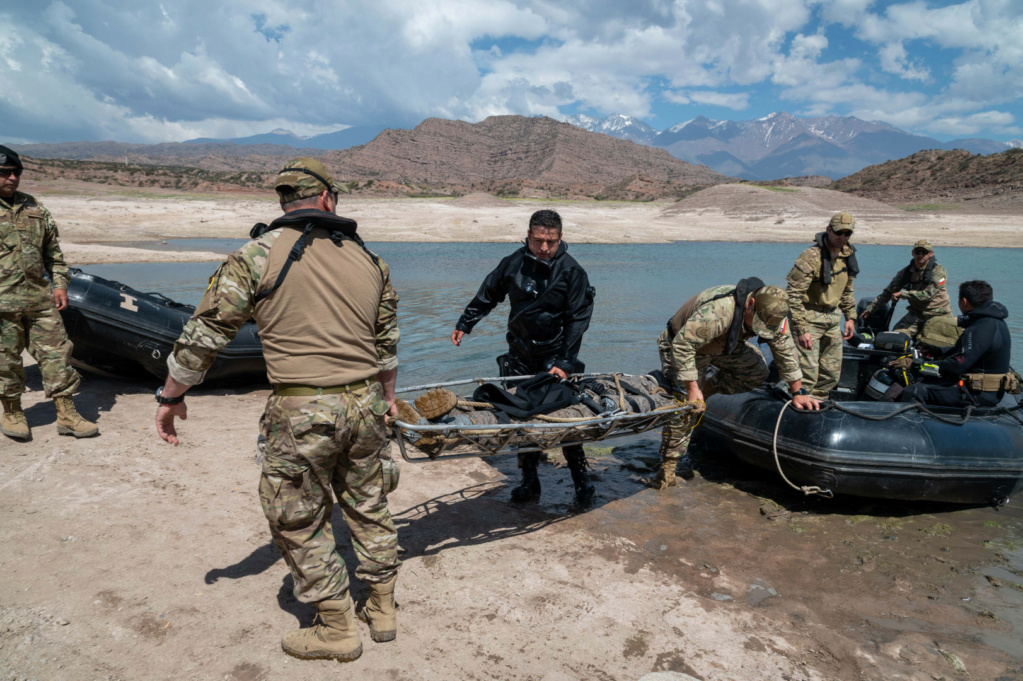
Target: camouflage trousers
(313, 445)
(42, 332)
(736, 373)
(822, 363)
(913, 322)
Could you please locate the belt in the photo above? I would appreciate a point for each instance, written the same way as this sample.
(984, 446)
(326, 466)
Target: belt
(989, 383)
(296, 390)
(819, 308)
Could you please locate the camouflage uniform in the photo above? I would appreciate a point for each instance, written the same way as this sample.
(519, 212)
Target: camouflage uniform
(817, 309)
(924, 292)
(314, 443)
(29, 251)
(689, 353)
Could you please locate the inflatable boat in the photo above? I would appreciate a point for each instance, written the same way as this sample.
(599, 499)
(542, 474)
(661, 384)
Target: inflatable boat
(119, 331)
(859, 446)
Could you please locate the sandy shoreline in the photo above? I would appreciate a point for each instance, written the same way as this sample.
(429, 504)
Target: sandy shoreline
(739, 213)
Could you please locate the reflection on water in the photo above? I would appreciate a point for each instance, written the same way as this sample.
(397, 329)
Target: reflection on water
(638, 287)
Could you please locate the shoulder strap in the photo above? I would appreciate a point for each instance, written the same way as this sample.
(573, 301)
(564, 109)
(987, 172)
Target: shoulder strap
(294, 256)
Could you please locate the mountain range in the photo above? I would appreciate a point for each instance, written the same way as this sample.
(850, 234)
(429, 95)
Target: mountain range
(782, 145)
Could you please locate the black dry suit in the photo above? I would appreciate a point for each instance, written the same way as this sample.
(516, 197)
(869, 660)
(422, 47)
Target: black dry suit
(985, 345)
(551, 304)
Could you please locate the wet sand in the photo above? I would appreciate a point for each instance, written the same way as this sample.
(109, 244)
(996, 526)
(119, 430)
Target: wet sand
(126, 558)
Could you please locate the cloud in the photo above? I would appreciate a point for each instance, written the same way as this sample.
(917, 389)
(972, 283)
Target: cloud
(140, 70)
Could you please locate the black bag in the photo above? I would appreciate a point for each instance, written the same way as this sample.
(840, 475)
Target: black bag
(541, 394)
(890, 340)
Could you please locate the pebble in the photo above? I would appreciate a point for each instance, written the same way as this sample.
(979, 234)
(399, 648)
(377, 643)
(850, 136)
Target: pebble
(720, 597)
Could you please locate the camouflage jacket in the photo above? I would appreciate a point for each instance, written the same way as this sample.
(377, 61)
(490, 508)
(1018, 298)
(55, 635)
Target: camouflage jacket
(230, 301)
(924, 291)
(706, 329)
(29, 251)
(805, 287)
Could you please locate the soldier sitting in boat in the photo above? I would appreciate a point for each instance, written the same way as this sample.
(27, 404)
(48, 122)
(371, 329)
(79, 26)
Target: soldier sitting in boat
(977, 371)
(922, 285)
(713, 329)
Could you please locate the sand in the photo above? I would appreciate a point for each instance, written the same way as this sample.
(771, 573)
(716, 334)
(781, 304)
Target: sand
(125, 558)
(723, 213)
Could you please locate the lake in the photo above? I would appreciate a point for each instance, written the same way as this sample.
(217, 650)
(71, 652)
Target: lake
(639, 286)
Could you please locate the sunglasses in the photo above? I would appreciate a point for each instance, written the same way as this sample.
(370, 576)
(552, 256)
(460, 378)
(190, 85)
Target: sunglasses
(7, 172)
(845, 232)
(920, 251)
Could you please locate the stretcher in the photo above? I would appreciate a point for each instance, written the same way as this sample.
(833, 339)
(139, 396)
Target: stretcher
(475, 429)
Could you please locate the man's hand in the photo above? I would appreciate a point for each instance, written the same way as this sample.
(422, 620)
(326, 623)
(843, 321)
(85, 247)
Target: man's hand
(693, 392)
(864, 314)
(391, 413)
(557, 372)
(805, 341)
(850, 329)
(457, 336)
(806, 402)
(165, 414)
(60, 298)
(896, 296)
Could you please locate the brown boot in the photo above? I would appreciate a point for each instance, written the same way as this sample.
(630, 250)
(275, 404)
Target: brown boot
(379, 611)
(333, 637)
(13, 422)
(665, 477)
(70, 422)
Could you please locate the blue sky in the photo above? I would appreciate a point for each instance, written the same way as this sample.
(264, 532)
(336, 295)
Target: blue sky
(143, 71)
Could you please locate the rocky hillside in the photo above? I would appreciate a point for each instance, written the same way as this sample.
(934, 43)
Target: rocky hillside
(943, 177)
(503, 155)
(516, 155)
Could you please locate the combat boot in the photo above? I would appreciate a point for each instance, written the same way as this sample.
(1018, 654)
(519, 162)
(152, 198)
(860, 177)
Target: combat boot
(665, 477)
(379, 611)
(333, 637)
(13, 422)
(584, 489)
(529, 488)
(70, 422)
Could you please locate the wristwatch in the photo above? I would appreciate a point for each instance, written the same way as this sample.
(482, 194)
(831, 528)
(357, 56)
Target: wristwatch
(168, 400)
(801, 391)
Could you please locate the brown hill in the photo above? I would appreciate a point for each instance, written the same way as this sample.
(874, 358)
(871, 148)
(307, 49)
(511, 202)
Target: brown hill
(943, 177)
(506, 155)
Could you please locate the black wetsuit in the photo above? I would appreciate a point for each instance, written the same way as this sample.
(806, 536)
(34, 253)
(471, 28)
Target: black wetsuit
(551, 304)
(984, 348)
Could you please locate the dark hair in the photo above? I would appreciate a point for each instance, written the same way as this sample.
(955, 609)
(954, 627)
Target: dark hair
(546, 219)
(976, 292)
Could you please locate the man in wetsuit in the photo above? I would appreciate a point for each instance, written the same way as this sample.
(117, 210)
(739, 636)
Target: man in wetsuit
(551, 304)
(977, 371)
(922, 285)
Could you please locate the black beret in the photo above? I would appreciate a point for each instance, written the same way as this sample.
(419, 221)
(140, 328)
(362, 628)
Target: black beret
(9, 157)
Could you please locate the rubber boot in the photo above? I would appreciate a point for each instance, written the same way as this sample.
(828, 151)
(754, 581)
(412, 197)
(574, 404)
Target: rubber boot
(70, 422)
(333, 637)
(13, 422)
(584, 489)
(379, 611)
(529, 488)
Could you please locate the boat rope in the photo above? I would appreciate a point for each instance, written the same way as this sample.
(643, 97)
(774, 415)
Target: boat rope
(565, 419)
(914, 406)
(621, 393)
(806, 489)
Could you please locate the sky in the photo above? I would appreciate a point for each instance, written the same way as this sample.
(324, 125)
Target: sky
(147, 71)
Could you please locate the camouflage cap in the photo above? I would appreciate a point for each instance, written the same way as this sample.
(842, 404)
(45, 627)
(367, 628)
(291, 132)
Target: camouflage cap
(771, 312)
(302, 178)
(924, 244)
(840, 221)
(9, 157)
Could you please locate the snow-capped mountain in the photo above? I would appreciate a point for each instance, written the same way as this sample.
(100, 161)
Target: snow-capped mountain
(616, 125)
(783, 145)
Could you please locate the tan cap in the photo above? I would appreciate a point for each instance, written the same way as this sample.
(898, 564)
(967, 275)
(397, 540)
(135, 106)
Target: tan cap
(924, 244)
(840, 221)
(771, 312)
(301, 178)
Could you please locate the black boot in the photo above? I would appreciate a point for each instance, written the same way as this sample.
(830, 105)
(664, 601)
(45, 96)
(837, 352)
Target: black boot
(584, 489)
(529, 488)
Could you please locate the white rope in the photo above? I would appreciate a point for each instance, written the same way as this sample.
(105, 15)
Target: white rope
(807, 490)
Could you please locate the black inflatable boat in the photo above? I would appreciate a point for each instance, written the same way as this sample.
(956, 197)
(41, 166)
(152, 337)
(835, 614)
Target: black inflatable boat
(122, 332)
(859, 446)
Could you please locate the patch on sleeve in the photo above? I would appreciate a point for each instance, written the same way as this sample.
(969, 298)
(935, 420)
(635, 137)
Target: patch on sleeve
(784, 328)
(941, 282)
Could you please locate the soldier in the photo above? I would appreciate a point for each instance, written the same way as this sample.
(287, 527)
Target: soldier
(327, 316)
(820, 284)
(712, 329)
(30, 308)
(977, 371)
(922, 285)
(551, 304)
